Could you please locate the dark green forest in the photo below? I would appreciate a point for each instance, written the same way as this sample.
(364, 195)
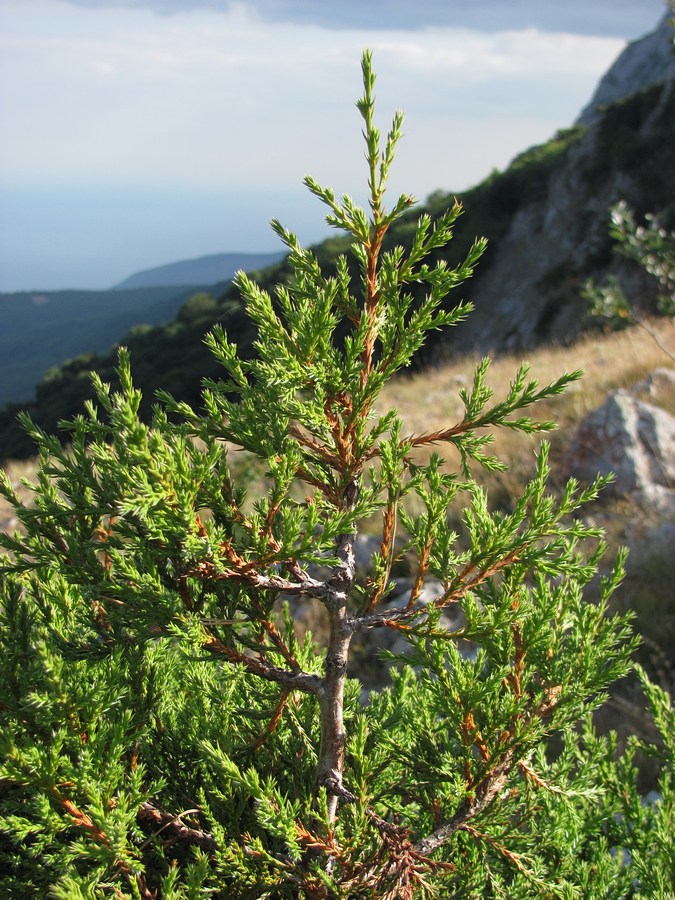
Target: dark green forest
(41, 329)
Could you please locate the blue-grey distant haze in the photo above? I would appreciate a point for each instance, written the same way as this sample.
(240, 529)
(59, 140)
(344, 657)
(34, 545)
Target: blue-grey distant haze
(138, 132)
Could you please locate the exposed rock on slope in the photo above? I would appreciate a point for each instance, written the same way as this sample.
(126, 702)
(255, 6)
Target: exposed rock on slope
(528, 288)
(633, 439)
(642, 64)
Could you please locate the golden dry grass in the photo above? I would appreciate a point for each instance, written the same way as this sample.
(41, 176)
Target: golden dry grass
(16, 470)
(429, 400)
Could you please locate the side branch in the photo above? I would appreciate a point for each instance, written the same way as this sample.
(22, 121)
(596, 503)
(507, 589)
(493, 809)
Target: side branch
(468, 579)
(484, 794)
(245, 571)
(318, 449)
(301, 681)
(434, 437)
(485, 791)
(173, 828)
(271, 726)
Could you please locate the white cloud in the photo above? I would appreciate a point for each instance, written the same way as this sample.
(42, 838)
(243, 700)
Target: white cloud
(230, 98)
(619, 18)
(230, 102)
(485, 56)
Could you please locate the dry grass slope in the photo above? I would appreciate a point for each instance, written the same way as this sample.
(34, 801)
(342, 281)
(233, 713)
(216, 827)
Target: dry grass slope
(428, 401)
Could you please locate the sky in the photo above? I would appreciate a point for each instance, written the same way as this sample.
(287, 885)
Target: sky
(140, 132)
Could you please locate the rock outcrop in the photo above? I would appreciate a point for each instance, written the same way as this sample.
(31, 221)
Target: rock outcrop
(528, 289)
(553, 232)
(633, 439)
(643, 63)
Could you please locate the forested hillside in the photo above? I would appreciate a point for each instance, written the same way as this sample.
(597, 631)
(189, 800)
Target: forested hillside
(41, 329)
(546, 221)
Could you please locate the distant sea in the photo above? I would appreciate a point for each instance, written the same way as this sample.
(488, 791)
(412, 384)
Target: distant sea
(93, 236)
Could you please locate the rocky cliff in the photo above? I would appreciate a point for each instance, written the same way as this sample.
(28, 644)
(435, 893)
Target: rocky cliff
(642, 64)
(527, 288)
(556, 237)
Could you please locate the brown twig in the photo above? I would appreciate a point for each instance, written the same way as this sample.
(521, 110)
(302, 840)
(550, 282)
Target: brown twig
(301, 681)
(83, 821)
(318, 449)
(173, 828)
(421, 575)
(316, 844)
(481, 797)
(386, 551)
(329, 492)
(469, 579)
(436, 437)
(271, 726)
(371, 301)
(246, 570)
(280, 644)
(80, 819)
(538, 780)
(515, 858)
(514, 677)
(397, 871)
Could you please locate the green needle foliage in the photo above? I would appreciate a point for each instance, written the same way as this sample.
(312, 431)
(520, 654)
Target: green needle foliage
(652, 248)
(165, 732)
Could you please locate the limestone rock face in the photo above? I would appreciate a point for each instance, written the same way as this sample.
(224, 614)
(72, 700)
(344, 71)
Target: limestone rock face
(528, 288)
(553, 229)
(642, 64)
(633, 439)
(658, 385)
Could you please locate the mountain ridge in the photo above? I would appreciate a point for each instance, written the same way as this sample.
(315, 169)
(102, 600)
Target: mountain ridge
(42, 329)
(643, 63)
(203, 270)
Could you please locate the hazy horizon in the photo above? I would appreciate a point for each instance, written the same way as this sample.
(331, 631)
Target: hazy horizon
(138, 134)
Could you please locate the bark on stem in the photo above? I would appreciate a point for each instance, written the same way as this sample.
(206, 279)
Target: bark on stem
(331, 702)
(331, 693)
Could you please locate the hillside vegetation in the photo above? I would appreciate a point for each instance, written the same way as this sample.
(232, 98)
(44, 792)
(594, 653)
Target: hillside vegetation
(41, 329)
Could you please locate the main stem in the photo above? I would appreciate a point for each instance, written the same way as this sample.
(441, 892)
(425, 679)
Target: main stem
(331, 693)
(341, 582)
